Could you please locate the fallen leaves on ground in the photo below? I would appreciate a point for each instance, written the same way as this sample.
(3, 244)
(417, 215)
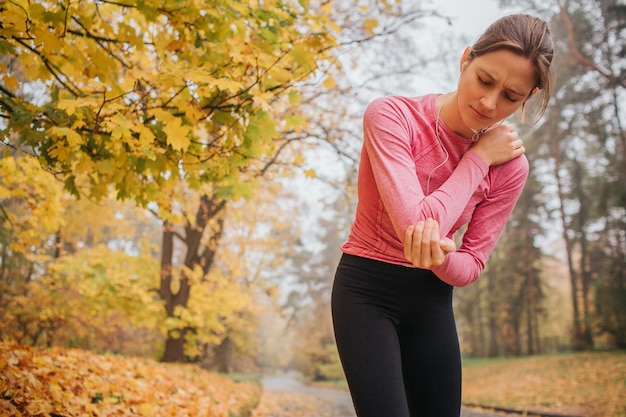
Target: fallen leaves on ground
(585, 384)
(68, 382)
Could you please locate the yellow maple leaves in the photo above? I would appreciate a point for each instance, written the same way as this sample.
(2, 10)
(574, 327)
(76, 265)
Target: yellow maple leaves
(77, 383)
(177, 134)
(72, 137)
(168, 82)
(35, 203)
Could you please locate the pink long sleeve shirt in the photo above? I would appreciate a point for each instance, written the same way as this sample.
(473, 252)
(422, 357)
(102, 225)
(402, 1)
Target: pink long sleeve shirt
(400, 151)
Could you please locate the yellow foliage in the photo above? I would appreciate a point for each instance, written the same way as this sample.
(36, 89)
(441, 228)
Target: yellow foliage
(370, 24)
(157, 87)
(95, 291)
(177, 135)
(72, 137)
(330, 83)
(35, 199)
(299, 159)
(73, 382)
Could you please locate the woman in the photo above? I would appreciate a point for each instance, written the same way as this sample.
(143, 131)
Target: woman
(428, 166)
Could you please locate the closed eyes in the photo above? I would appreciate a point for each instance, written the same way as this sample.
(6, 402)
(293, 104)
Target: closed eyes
(488, 83)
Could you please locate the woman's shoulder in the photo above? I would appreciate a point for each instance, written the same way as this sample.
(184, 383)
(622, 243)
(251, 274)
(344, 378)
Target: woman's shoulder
(401, 107)
(516, 169)
(517, 164)
(396, 101)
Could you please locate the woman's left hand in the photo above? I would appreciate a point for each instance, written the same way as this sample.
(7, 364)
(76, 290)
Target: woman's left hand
(424, 247)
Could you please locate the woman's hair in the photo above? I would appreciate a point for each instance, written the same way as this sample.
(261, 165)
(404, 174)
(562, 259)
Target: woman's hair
(529, 37)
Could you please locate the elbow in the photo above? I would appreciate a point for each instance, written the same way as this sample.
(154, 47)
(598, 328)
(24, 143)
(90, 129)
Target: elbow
(465, 281)
(461, 280)
(459, 269)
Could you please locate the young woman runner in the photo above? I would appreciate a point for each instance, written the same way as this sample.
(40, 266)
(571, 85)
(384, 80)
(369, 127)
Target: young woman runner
(430, 165)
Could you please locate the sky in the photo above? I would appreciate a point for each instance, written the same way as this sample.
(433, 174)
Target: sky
(469, 18)
(472, 17)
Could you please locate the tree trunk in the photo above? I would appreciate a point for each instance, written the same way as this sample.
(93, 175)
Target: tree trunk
(223, 356)
(480, 346)
(493, 325)
(196, 255)
(174, 344)
(577, 337)
(586, 337)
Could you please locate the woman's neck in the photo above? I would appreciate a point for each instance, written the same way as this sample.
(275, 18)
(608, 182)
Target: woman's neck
(450, 116)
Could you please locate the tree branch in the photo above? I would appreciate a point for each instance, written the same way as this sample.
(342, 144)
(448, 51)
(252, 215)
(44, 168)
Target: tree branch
(56, 73)
(578, 56)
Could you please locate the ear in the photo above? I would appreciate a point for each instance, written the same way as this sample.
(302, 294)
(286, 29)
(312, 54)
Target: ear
(532, 93)
(465, 59)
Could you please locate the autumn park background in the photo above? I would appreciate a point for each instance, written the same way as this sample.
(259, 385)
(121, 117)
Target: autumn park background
(176, 178)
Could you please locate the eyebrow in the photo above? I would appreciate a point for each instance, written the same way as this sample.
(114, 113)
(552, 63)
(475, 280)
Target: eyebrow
(510, 90)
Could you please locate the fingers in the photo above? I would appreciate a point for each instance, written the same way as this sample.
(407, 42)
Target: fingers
(516, 144)
(423, 246)
(500, 145)
(518, 147)
(447, 245)
(421, 251)
(437, 256)
(430, 238)
(413, 243)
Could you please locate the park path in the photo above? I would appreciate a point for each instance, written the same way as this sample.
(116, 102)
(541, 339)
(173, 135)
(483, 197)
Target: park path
(285, 396)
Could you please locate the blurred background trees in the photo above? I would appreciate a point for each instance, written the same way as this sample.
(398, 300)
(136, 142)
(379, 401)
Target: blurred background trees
(176, 179)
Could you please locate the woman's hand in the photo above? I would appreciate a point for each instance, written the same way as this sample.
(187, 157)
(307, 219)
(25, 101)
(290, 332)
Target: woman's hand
(499, 145)
(423, 246)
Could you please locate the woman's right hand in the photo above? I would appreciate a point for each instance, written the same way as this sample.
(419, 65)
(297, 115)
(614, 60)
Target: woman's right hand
(499, 145)
(423, 246)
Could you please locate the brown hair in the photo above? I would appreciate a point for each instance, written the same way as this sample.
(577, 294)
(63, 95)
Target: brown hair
(529, 37)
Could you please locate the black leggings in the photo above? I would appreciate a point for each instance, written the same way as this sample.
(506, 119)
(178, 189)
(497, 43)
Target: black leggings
(397, 339)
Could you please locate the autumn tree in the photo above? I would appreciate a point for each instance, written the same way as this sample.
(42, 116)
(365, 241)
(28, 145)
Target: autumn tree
(140, 98)
(574, 198)
(140, 94)
(583, 145)
(73, 272)
(589, 164)
(29, 207)
(308, 302)
(516, 288)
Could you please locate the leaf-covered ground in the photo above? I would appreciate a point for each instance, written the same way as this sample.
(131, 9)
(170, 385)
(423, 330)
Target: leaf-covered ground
(578, 384)
(68, 383)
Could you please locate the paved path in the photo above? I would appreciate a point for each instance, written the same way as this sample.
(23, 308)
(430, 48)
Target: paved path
(285, 396)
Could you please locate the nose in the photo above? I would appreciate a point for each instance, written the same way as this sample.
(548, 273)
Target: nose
(489, 101)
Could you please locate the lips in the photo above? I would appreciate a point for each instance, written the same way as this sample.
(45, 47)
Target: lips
(479, 116)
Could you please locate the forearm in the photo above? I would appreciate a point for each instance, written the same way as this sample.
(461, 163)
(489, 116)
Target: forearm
(447, 203)
(406, 202)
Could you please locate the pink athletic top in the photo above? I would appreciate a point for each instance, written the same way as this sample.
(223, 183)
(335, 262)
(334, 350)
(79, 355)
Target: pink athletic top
(400, 151)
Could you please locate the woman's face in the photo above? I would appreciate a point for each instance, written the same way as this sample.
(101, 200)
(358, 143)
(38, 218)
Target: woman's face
(492, 87)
